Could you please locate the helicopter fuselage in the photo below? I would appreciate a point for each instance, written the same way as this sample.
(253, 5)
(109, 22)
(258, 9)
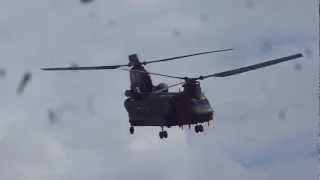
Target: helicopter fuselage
(168, 109)
(149, 105)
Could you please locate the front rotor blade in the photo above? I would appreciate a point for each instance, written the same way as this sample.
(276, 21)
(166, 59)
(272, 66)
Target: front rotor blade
(156, 74)
(82, 68)
(184, 56)
(253, 67)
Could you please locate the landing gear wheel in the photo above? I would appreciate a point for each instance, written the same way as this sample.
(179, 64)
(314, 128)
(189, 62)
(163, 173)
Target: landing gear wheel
(196, 128)
(161, 135)
(200, 128)
(131, 130)
(165, 134)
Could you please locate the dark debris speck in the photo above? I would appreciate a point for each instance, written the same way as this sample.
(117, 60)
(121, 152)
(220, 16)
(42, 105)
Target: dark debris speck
(308, 52)
(176, 33)
(52, 116)
(297, 66)
(250, 4)
(205, 18)
(266, 45)
(3, 72)
(23, 83)
(282, 114)
(86, 1)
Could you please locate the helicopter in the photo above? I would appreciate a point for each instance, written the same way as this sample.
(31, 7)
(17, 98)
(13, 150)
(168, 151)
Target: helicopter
(149, 105)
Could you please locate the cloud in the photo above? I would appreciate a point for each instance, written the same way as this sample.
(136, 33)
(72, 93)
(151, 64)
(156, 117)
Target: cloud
(282, 152)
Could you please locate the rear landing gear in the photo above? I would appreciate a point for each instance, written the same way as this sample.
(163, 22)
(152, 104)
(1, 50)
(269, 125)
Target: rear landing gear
(163, 134)
(198, 128)
(131, 130)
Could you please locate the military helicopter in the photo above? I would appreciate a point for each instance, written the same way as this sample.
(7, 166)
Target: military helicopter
(149, 105)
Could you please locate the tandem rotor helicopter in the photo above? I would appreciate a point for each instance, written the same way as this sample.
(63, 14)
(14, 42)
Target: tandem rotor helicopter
(149, 105)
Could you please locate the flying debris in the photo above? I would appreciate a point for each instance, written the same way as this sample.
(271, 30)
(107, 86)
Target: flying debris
(205, 18)
(3, 72)
(266, 45)
(308, 52)
(154, 105)
(23, 83)
(176, 33)
(297, 66)
(250, 4)
(282, 114)
(55, 113)
(86, 1)
(52, 116)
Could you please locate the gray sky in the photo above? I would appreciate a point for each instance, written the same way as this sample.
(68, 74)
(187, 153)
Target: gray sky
(265, 121)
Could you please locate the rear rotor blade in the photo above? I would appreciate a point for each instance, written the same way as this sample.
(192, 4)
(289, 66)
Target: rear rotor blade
(83, 68)
(253, 67)
(184, 56)
(156, 74)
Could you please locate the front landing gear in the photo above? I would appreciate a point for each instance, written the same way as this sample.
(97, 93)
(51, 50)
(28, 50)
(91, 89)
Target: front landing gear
(131, 130)
(198, 128)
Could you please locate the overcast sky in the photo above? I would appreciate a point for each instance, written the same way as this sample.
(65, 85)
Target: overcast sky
(265, 121)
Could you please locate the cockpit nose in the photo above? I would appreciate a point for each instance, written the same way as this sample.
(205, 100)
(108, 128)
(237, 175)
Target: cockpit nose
(134, 59)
